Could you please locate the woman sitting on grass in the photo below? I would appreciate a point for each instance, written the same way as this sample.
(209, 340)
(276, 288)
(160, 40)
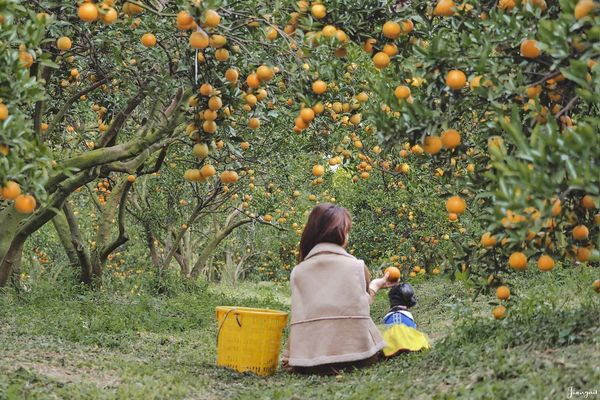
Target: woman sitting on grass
(330, 326)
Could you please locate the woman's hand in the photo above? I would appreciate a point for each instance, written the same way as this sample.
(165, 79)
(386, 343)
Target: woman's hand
(381, 283)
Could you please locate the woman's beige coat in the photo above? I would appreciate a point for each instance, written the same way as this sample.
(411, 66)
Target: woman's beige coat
(330, 320)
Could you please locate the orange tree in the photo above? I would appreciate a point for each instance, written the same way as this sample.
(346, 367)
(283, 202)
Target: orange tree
(493, 102)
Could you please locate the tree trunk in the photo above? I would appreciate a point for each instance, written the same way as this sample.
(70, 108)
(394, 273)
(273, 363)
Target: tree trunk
(61, 225)
(212, 246)
(79, 246)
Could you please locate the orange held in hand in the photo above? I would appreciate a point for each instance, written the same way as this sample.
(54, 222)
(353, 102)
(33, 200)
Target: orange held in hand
(393, 274)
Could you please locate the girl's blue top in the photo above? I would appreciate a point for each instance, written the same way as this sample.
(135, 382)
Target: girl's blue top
(399, 317)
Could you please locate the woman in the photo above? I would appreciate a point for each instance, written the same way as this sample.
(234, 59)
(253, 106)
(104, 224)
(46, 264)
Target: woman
(330, 326)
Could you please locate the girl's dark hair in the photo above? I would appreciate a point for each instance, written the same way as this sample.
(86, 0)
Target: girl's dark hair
(326, 223)
(402, 295)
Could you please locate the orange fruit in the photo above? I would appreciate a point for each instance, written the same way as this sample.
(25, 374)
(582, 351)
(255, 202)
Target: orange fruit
(529, 49)
(507, 4)
(232, 75)
(318, 11)
(148, 40)
(402, 92)
(487, 240)
(583, 254)
(25, 204)
(244, 145)
(456, 205)
(580, 232)
(503, 292)
(394, 274)
(215, 103)
(199, 40)
(588, 202)
(208, 170)
(518, 261)
(184, 20)
(545, 263)
(192, 175)
(450, 139)
(596, 285)
(381, 60)
(131, 178)
(88, 12)
(200, 150)
(499, 312)
(391, 30)
(109, 16)
(10, 191)
(206, 89)
(254, 123)
(307, 114)
(444, 8)
(318, 170)
(229, 177)
(3, 112)
(583, 8)
(556, 208)
(456, 79)
(211, 18)
(264, 73)
(319, 87)
(407, 26)
(222, 55)
(432, 144)
(368, 45)
(64, 43)
(390, 49)
(452, 217)
(252, 81)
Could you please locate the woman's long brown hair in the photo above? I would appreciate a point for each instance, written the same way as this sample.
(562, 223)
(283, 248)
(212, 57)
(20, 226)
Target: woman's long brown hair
(326, 223)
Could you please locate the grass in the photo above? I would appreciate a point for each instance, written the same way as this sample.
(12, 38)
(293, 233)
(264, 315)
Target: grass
(63, 342)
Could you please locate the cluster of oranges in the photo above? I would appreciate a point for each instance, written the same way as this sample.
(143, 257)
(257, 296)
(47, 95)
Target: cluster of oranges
(24, 203)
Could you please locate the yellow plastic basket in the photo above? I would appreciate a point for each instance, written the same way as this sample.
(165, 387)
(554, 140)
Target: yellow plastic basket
(249, 339)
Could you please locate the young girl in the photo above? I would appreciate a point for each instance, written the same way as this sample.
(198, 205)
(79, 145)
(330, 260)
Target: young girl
(400, 330)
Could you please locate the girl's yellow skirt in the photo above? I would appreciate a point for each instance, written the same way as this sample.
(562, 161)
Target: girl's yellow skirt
(399, 337)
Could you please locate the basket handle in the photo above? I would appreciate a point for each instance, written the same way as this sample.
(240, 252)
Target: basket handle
(237, 319)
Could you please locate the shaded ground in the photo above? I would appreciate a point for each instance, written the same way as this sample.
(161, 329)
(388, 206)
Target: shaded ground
(96, 346)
